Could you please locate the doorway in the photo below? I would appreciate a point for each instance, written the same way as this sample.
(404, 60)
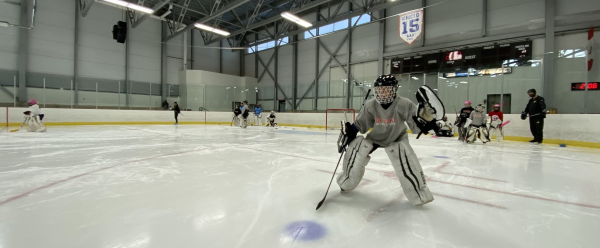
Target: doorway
(235, 105)
(281, 105)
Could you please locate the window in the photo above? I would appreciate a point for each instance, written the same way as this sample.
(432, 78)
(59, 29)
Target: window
(261, 47)
(571, 53)
(283, 41)
(310, 33)
(511, 63)
(270, 44)
(340, 25)
(580, 54)
(326, 29)
(366, 18)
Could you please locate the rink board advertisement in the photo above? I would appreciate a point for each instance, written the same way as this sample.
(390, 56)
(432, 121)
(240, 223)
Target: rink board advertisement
(411, 25)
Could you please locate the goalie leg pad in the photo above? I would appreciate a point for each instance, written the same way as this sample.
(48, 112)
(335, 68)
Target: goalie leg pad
(484, 134)
(355, 160)
(34, 125)
(500, 134)
(471, 134)
(409, 172)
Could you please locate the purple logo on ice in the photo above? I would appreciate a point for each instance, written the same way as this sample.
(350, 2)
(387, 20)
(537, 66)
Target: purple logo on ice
(305, 231)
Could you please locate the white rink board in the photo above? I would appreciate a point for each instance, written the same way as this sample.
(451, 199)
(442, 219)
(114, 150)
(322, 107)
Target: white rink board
(158, 186)
(574, 127)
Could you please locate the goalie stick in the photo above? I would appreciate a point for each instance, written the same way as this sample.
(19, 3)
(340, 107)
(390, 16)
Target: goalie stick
(341, 155)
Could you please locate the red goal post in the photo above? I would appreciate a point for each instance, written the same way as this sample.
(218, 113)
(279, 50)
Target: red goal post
(334, 116)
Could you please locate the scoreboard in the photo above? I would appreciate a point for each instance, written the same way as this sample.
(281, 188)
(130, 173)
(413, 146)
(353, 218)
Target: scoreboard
(460, 60)
(581, 86)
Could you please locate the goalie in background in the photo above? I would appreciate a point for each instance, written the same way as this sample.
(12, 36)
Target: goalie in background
(236, 116)
(34, 118)
(245, 114)
(386, 115)
(271, 119)
(477, 127)
(445, 128)
(496, 119)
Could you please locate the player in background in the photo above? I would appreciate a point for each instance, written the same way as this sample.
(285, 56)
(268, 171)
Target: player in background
(34, 117)
(236, 116)
(271, 119)
(258, 115)
(177, 111)
(464, 115)
(496, 119)
(386, 115)
(245, 114)
(35, 110)
(476, 124)
(445, 128)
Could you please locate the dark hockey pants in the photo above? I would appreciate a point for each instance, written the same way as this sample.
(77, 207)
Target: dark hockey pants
(536, 125)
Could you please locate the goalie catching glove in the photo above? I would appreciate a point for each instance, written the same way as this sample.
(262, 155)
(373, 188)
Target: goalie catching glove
(430, 109)
(347, 135)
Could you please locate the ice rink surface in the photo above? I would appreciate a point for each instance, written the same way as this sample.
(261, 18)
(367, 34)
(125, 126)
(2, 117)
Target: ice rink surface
(221, 186)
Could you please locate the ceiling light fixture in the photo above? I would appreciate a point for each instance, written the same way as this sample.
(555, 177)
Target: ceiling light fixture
(211, 29)
(131, 6)
(296, 19)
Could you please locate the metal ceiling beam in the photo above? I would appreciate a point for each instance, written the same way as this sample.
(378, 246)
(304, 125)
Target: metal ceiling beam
(86, 6)
(272, 19)
(214, 15)
(205, 14)
(354, 13)
(11, 2)
(320, 72)
(144, 17)
(179, 21)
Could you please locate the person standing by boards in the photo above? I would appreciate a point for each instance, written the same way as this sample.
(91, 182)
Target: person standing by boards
(258, 115)
(177, 112)
(536, 109)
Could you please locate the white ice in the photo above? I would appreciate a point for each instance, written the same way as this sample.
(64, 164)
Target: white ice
(220, 186)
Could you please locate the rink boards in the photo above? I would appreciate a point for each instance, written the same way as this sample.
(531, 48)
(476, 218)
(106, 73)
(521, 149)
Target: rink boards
(560, 129)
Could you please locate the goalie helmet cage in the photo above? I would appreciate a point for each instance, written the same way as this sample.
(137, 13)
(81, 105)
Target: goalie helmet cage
(334, 116)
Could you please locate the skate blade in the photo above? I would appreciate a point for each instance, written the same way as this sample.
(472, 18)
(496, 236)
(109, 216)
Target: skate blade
(425, 202)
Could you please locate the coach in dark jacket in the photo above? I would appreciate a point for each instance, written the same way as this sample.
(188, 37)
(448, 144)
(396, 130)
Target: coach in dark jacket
(536, 109)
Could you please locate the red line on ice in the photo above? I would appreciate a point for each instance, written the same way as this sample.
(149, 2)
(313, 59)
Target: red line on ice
(460, 175)
(438, 170)
(441, 167)
(471, 201)
(521, 195)
(87, 173)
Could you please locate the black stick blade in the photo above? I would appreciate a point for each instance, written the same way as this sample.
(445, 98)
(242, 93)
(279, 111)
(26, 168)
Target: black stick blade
(320, 204)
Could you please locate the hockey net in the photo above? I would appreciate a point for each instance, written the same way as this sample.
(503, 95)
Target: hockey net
(333, 117)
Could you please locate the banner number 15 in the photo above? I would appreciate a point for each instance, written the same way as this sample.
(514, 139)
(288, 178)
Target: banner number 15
(414, 26)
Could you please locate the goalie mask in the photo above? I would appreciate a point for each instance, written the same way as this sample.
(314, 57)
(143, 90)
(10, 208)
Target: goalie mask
(480, 107)
(385, 89)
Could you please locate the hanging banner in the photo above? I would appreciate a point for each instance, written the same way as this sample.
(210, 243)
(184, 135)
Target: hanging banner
(411, 25)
